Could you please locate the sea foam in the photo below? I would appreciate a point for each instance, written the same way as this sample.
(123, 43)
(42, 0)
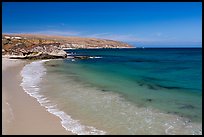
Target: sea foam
(32, 75)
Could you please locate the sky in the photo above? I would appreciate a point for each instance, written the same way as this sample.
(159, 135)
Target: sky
(149, 24)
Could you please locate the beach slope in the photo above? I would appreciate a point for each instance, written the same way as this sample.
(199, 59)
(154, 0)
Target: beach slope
(22, 114)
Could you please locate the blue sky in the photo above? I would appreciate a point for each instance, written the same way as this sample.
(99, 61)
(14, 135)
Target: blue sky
(139, 23)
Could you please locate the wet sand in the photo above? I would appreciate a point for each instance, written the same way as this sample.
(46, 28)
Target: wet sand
(22, 114)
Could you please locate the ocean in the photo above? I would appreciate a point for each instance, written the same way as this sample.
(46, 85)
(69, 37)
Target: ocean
(121, 91)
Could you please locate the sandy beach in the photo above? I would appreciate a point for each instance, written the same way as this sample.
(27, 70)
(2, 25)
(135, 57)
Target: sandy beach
(22, 114)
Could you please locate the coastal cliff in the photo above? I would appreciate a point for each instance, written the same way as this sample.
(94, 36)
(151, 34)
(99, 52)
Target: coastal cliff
(29, 46)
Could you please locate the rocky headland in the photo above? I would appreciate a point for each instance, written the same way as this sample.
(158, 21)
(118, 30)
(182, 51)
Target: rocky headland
(30, 46)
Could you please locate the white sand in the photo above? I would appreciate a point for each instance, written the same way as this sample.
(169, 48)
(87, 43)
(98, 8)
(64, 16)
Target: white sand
(22, 114)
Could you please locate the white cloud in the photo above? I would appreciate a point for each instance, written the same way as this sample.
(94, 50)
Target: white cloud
(160, 39)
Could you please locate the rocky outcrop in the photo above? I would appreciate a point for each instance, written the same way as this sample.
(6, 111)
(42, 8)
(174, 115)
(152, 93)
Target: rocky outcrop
(58, 53)
(81, 57)
(39, 55)
(18, 49)
(39, 52)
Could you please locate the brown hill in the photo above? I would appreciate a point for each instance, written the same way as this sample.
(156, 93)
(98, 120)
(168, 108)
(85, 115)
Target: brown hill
(72, 42)
(21, 44)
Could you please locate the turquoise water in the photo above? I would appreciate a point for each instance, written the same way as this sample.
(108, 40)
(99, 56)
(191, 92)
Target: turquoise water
(168, 79)
(129, 91)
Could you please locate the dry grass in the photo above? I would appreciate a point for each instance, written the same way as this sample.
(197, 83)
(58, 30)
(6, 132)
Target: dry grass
(73, 40)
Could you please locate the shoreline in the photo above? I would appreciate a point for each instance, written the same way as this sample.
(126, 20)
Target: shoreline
(20, 107)
(22, 114)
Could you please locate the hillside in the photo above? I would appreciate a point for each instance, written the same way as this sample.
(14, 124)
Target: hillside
(24, 44)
